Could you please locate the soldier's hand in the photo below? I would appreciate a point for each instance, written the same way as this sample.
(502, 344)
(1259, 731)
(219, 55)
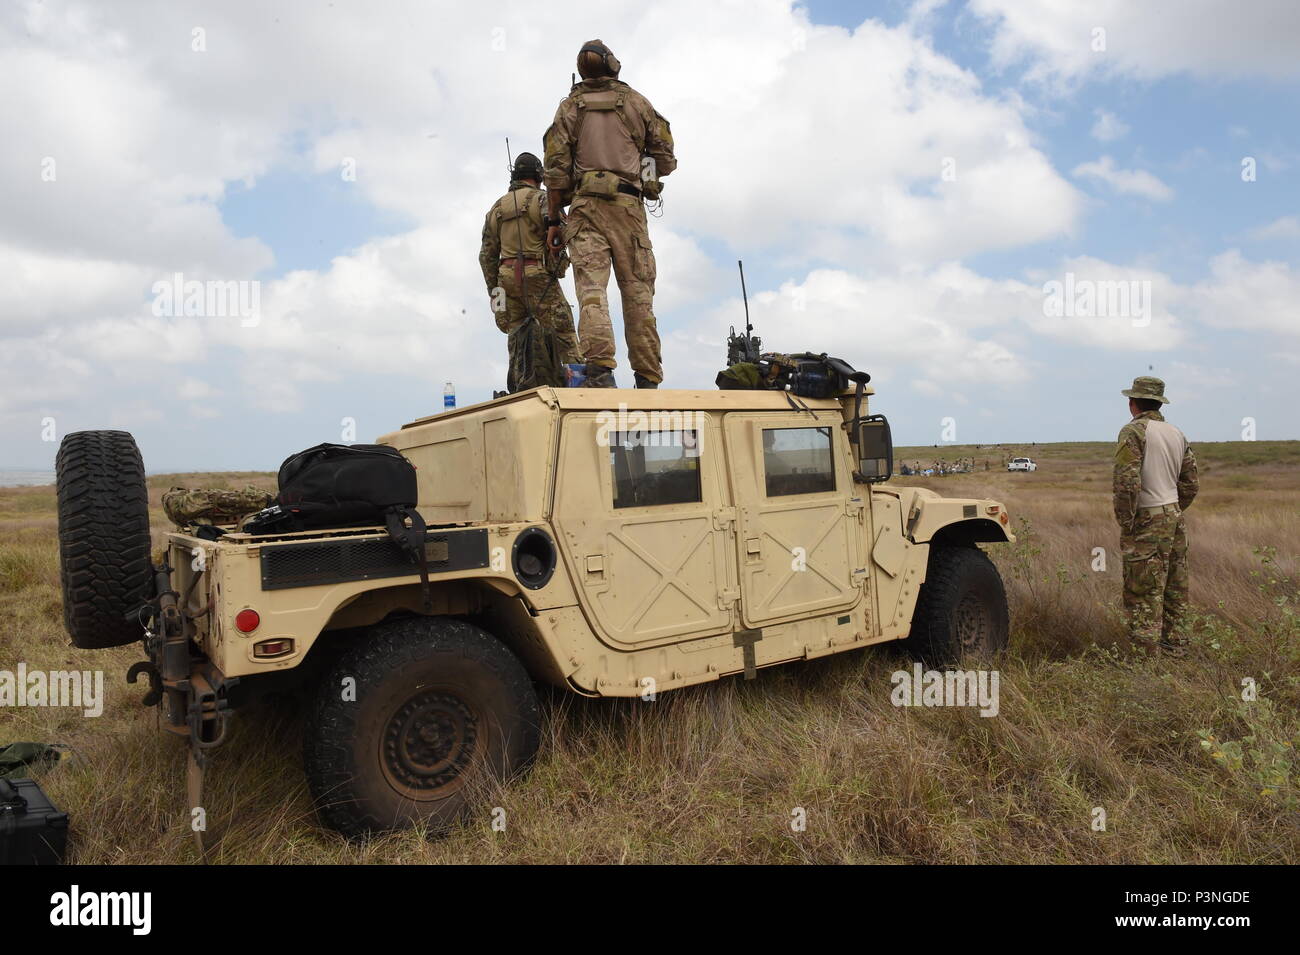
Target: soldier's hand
(553, 237)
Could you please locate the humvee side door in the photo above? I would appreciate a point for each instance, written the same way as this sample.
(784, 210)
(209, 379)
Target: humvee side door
(643, 515)
(800, 520)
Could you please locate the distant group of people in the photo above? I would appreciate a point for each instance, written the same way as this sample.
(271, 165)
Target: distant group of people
(943, 467)
(605, 153)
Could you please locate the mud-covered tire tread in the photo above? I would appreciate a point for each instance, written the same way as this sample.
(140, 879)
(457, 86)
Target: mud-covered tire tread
(932, 637)
(384, 651)
(103, 510)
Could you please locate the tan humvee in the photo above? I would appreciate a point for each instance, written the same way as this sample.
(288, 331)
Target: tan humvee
(615, 543)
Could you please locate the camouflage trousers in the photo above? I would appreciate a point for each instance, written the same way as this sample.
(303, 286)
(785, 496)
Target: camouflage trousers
(604, 231)
(1155, 576)
(536, 353)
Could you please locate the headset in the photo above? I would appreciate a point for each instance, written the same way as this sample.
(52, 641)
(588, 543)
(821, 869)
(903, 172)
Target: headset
(607, 58)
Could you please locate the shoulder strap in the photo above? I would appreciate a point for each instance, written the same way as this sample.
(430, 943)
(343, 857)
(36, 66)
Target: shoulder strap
(411, 541)
(510, 210)
(577, 130)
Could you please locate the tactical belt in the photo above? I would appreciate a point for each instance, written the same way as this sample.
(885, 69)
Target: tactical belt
(629, 190)
(511, 261)
(1159, 507)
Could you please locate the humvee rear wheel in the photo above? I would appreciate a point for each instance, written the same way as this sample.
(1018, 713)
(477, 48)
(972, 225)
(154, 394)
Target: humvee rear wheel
(961, 612)
(104, 568)
(413, 721)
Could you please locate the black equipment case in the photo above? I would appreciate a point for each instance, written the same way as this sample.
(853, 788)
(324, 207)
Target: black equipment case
(32, 830)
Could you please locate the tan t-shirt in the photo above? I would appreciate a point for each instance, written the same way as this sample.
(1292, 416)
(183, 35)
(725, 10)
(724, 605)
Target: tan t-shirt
(1161, 464)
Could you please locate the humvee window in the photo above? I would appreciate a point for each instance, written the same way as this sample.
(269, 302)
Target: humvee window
(655, 467)
(798, 461)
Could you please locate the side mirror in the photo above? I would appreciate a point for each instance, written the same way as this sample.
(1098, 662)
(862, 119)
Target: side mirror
(875, 449)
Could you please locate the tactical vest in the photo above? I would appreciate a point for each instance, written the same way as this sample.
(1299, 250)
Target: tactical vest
(607, 136)
(522, 218)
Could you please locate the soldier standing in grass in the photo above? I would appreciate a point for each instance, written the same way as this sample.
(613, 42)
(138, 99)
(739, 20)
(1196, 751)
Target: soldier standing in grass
(605, 153)
(1155, 481)
(513, 255)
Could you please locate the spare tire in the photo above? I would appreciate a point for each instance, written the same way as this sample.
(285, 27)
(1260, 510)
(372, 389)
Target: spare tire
(103, 537)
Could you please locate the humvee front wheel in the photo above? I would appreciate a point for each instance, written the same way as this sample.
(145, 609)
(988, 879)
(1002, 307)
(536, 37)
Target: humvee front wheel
(961, 612)
(412, 720)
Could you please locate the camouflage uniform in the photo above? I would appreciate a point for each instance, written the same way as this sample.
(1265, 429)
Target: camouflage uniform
(1153, 537)
(533, 360)
(186, 506)
(596, 159)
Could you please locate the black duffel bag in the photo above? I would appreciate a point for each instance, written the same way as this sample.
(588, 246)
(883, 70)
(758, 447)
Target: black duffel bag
(348, 485)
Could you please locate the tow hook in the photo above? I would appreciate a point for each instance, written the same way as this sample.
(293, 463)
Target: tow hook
(208, 713)
(155, 694)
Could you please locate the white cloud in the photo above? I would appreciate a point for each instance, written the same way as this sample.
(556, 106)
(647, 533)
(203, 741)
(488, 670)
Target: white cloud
(1206, 378)
(193, 388)
(838, 148)
(1244, 295)
(1146, 40)
(807, 143)
(1285, 227)
(815, 150)
(944, 326)
(1110, 305)
(1108, 127)
(1137, 182)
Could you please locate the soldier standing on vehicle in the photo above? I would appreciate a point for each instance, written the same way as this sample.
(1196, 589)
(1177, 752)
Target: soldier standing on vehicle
(605, 152)
(1155, 481)
(513, 256)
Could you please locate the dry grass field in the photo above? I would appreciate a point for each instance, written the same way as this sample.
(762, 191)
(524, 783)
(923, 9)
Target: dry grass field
(1185, 771)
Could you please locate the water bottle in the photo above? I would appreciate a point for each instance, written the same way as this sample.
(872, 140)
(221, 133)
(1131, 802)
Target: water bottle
(575, 375)
(449, 396)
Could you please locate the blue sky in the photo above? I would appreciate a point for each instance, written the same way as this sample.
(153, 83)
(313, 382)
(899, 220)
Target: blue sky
(810, 145)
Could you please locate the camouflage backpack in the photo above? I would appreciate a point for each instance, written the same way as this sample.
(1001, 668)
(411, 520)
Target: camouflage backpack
(188, 506)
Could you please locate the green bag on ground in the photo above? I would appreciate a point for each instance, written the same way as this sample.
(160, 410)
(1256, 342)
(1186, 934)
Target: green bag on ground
(17, 758)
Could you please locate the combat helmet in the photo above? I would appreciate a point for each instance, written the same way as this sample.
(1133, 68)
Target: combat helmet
(527, 166)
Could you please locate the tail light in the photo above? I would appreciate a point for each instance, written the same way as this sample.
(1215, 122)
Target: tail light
(273, 648)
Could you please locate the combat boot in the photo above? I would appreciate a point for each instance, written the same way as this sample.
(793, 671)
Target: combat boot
(643, 382)
(598, 376)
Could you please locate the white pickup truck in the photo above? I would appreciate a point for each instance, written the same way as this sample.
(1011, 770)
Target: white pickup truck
(1021, 464)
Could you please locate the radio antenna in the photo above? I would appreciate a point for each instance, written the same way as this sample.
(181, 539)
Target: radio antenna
(749, 329)
(747, 347)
